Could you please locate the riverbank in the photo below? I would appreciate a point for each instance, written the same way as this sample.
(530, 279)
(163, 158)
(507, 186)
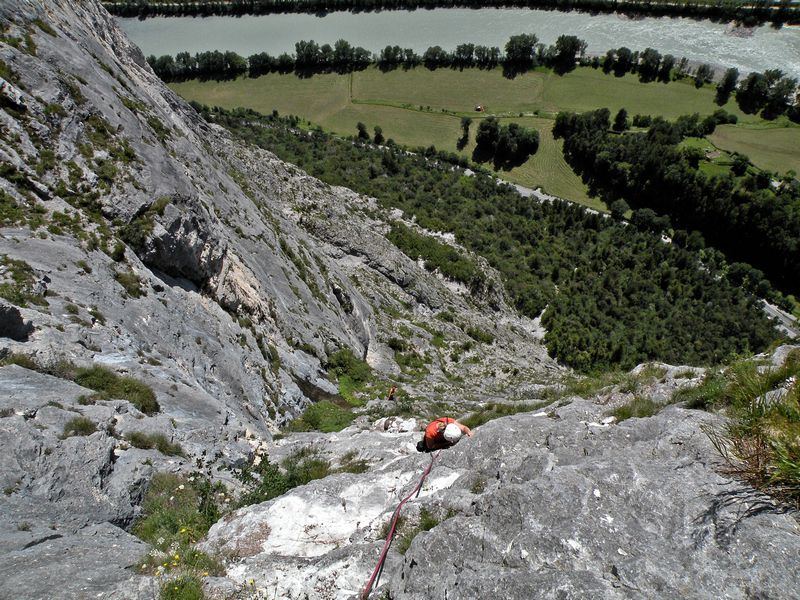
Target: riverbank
(751, 13)
(697, 41)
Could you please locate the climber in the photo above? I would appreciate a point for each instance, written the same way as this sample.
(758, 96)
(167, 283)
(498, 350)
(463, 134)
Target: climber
(442, 433)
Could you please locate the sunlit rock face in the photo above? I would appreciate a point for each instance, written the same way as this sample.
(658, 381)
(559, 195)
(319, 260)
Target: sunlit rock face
(144, 240)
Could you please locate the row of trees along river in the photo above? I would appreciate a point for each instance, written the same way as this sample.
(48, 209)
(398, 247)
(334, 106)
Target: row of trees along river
(752, 12)
(770, 92)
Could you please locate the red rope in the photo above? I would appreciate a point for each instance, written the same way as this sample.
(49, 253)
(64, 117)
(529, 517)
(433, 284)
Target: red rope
(396, 515)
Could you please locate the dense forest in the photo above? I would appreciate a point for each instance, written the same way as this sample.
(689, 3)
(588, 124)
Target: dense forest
(746, 213)
(750, 13)
(612, 294)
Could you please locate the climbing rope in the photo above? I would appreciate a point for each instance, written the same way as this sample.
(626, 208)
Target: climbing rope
(382, 558)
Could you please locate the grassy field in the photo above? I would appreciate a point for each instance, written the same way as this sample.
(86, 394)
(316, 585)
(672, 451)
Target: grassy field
(777, 149)
(421, 107)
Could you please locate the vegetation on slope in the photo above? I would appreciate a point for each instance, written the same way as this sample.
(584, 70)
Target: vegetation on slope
(614, 295)
(761, 443)
(651, 170)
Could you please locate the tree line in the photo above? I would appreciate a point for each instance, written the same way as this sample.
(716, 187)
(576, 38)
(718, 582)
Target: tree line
(752, 216)
(749, 13)
(592, 274)
(522, 52)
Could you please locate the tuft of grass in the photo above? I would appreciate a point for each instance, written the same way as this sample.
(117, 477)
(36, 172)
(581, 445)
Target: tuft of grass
(639, 407)
(495, 410)
(21, 360)
(351, 462)
(587, 387)
(157, 441)
(98, 378)
(185, 587)
(761, 442)
(111, 385)
(478, 486)
(710, 393)
(45, 27)
(131, 283)
(323, 416)
(20, 280)
(79, 426)
(427, 521)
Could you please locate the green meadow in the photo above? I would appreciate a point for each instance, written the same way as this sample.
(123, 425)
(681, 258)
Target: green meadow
(420, 107)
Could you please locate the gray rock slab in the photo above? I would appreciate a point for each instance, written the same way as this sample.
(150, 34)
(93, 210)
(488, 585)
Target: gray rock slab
(23, 389)
(94, 562)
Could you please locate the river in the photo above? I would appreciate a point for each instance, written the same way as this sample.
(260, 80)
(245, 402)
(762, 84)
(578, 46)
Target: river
(718, 44)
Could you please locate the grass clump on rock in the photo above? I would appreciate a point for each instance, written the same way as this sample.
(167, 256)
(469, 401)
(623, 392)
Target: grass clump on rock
(761, 440)
(427, 521)
(98, 378)
(323, 416)
(186, 587)
(18, 284)
(495, 410)
(79, 426)
(111, 385)
(639, 407)
(157, 441)
(176, 512)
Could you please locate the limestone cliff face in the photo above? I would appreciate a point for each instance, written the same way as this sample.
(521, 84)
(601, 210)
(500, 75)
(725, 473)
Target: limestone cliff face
(560, 503)
(136, 236)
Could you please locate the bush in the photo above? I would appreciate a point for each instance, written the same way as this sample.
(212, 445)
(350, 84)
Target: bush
(479, 335)
(79, 426)
(344, 362)
(437, 256)
(267, 480)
